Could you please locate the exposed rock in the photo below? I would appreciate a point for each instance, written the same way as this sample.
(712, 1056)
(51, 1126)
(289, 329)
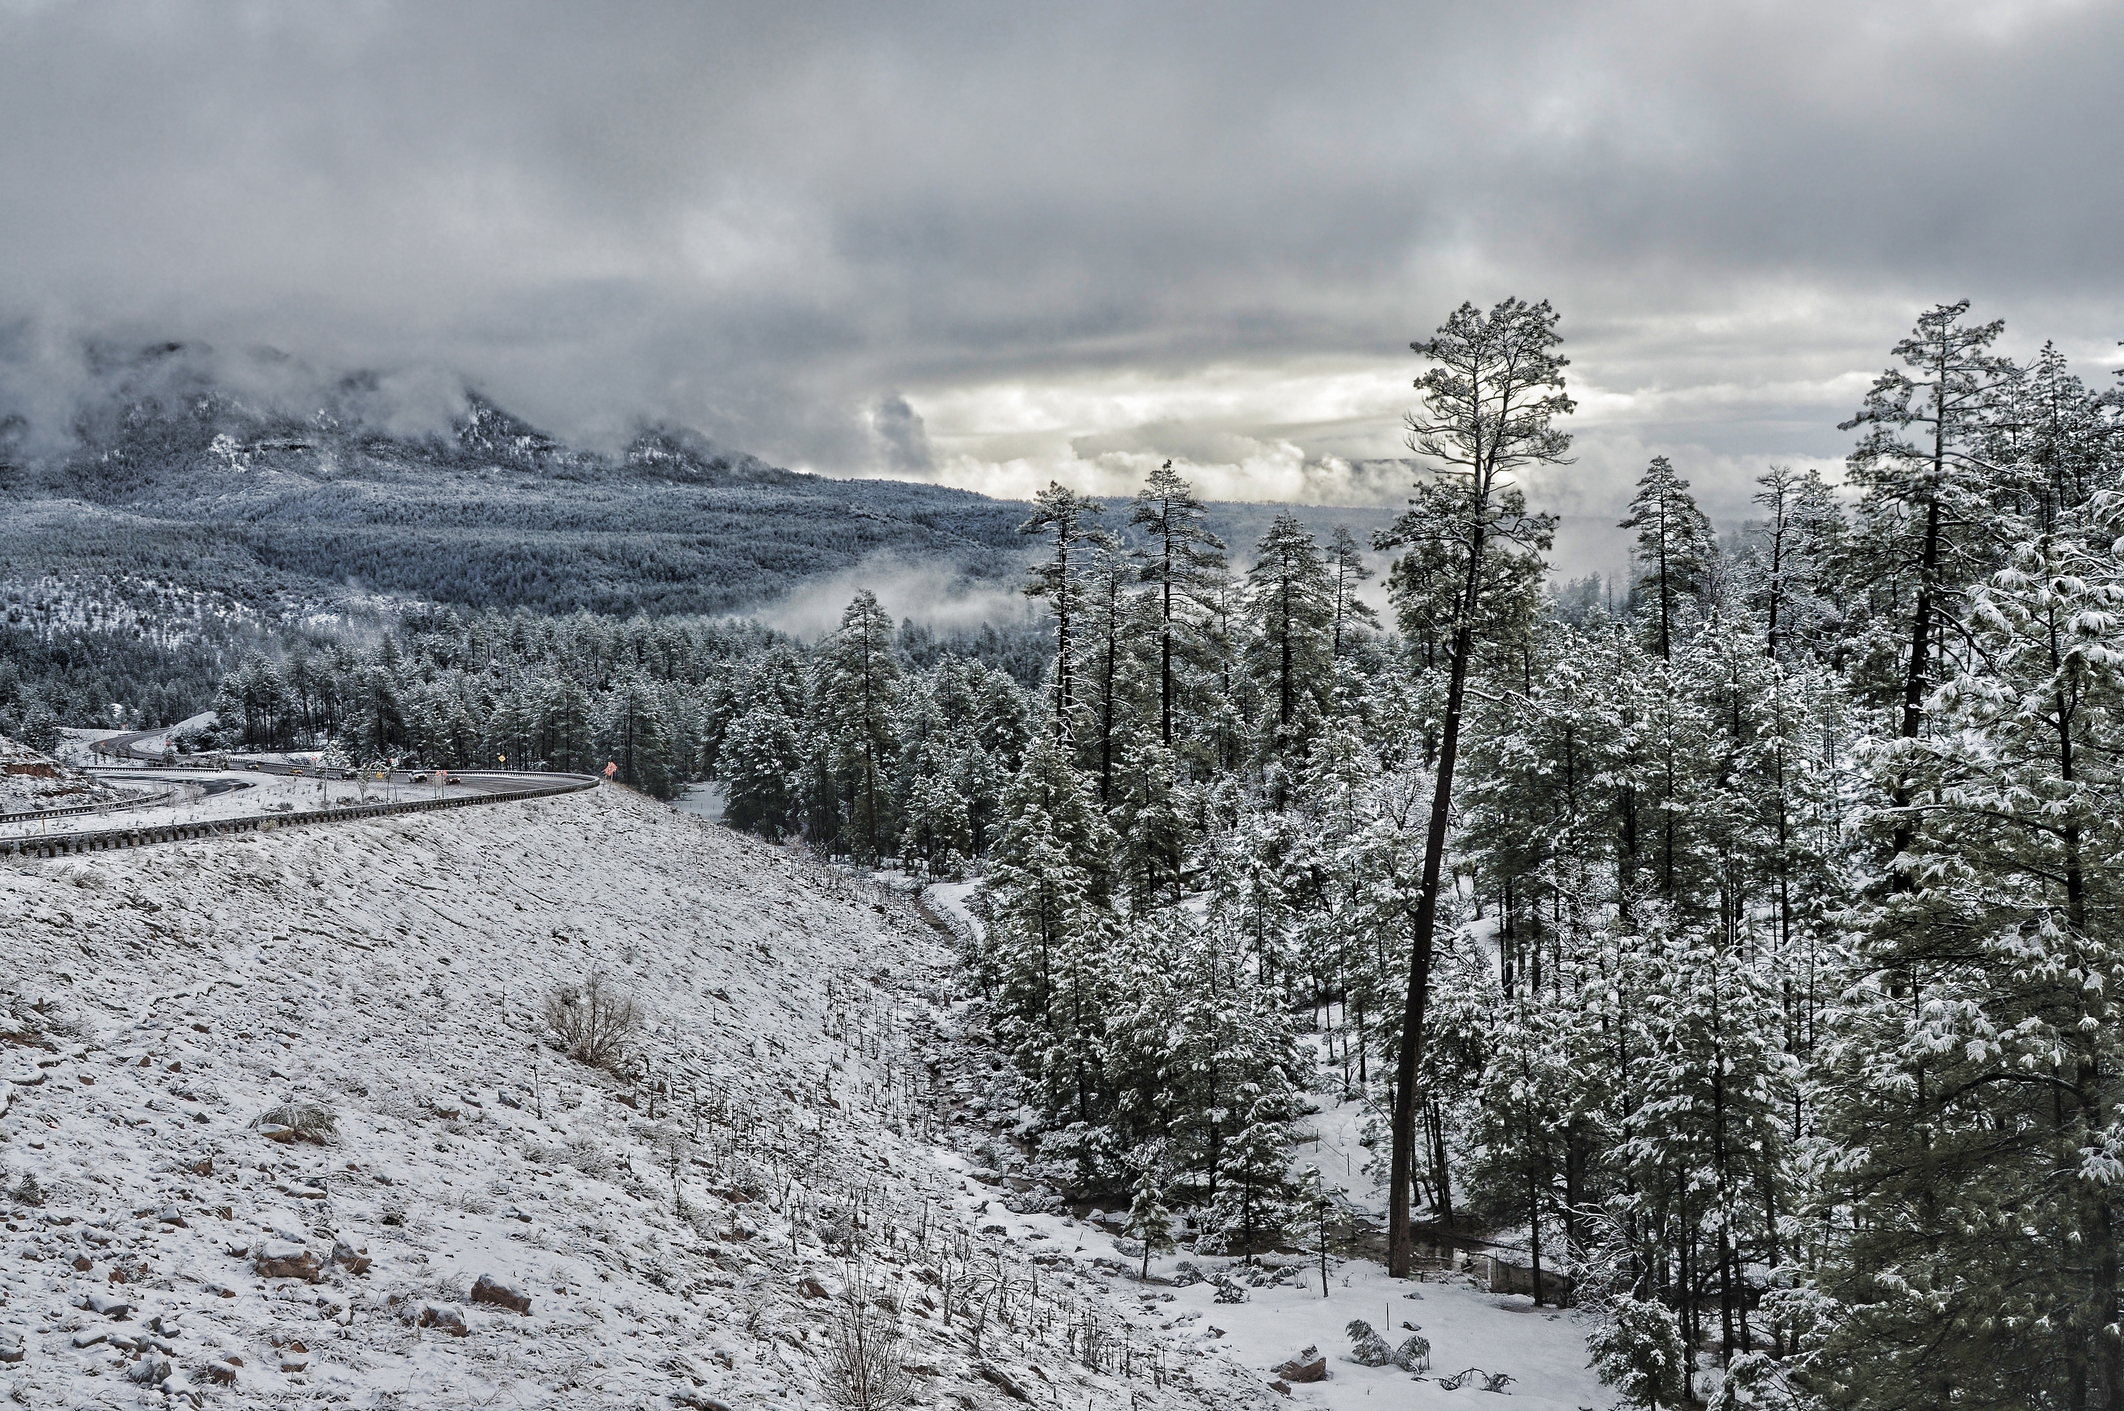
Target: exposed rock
(10, 1348)
(284, 1259)
(698, 1402)
(812, 1288)
(219, 1373)
(347, 1257)
(1307, 1366)
(274, 1132)
(149, 1370)
(1280, 1386)
(490, 1290)
(448, 1319)
(108, 1306)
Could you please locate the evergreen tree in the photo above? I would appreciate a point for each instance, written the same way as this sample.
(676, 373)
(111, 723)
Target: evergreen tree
(1975, 1080)
(1675, 548)
(1183, 562)
(1798, 547)
(1490, 402)
(1919, 467)
(858, 685)
(1291, 601)
(1149, 1222)
(633, 735)
(1062, 515)
(1346, 565)
(1112, 631)
(762, 767)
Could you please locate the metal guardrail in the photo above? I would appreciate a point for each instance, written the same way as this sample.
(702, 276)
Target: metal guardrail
(31, 815)
(106, 839)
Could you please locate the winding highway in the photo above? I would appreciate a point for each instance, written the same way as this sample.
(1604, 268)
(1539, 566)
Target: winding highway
(253, 796)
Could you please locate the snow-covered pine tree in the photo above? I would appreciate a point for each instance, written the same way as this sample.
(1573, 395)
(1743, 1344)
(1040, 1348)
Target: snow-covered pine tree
(1291, 605)
(1064, 516)
(1348, 570)
(1676, 552)
(1491, 399)
(1975, 1185)
(1183, 562)
(1788, 570)
(1924, 511)
(1149, 1222)
(762, 768)
(858, 696)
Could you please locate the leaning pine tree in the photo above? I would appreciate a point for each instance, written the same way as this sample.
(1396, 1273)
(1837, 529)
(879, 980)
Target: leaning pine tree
(1489, 408)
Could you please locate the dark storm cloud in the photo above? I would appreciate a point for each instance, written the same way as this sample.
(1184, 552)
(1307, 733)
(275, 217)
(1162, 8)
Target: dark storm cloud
(764, 220)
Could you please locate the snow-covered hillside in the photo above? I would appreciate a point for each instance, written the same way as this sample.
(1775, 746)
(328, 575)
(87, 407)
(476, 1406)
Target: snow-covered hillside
(680, 1232)
(31, 781)
(390, 975)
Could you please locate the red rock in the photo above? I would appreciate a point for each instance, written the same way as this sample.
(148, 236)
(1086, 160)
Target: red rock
(501, 1295)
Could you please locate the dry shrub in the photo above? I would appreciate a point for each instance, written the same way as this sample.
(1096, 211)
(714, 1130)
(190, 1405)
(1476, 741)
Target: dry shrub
(593, 1022)
(862, 1369)
(307, 1120)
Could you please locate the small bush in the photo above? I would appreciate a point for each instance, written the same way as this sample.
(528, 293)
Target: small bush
(587, 1156)
(862, 1369)
(1368, 1349)
(592, 1022)
(44, 1017)
(307, 1120)
(750, 1179)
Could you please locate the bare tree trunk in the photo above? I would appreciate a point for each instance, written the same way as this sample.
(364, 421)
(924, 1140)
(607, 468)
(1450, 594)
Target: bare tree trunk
(1400, 1243)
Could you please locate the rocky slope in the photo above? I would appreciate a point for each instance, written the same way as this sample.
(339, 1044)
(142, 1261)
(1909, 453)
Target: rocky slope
(29, 780)
(280, 1130)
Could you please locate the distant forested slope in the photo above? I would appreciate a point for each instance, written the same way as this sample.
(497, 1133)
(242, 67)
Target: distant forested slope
(190, 523)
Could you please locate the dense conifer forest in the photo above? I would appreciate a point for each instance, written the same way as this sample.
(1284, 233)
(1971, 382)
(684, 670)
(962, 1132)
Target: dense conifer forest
(1742, 938)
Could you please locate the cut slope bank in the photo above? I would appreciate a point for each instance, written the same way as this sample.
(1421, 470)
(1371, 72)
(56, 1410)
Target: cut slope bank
(391, 975)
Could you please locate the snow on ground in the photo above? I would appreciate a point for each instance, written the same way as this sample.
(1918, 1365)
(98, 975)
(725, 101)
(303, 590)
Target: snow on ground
(29, 781)
(73, 746)
(241, 794)
(1331, 1142)
(953, 901)
(151, 746)
(1542, 1351)
(679, 1232)
(702, 801)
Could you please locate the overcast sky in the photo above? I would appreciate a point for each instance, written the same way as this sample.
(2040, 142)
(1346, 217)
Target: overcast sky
(993, 244)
